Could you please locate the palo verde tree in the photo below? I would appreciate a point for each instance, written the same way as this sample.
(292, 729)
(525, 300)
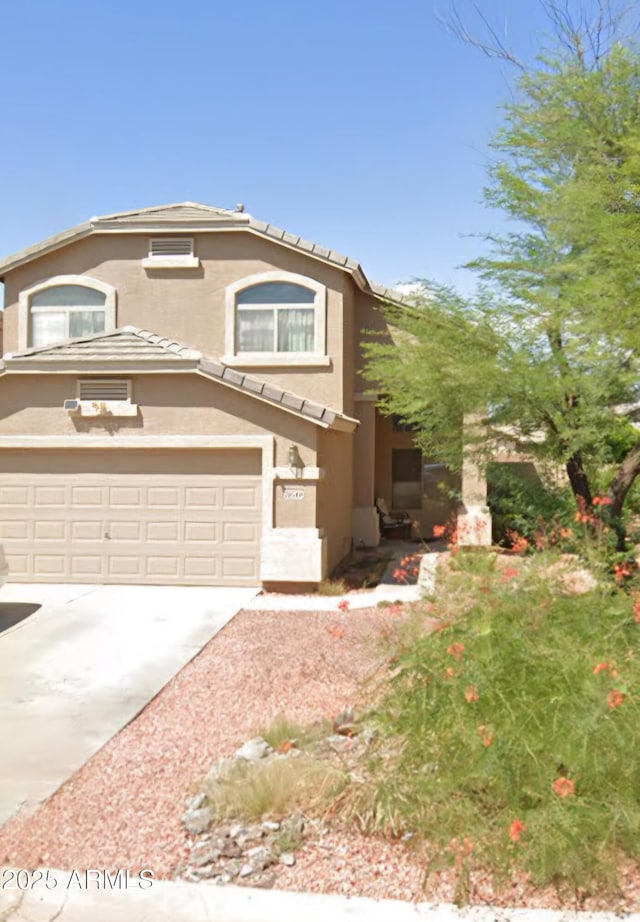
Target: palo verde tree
(549, 350)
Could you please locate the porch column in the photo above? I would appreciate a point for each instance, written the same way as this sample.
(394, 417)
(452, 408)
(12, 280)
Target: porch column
(474, 521)
(365, 527)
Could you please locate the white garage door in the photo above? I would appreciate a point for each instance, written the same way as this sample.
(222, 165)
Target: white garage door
(164, 517)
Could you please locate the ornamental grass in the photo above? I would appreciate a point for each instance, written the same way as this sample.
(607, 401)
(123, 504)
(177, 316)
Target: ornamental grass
(515, 728)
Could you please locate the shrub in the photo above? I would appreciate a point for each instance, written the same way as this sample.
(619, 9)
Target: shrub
(514, 731)
(519, 503)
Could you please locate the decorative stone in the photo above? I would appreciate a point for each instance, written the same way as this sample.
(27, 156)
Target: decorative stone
(230, 849)
(271, 825)
(264, 881)
(198, 821)
(237, 830)
(246, 870)
(219, 771)
(288, 859)
(262, 857)
(254, 750)
(194, 803)
(204, 854)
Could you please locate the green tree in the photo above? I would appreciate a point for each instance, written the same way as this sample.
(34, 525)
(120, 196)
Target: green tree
(549, 350)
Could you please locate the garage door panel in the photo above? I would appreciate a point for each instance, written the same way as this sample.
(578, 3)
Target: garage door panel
(52, 530)
(166, 532)
(89, 530)
(83, 566)
(154, 519)
(124, 531)
(200, 531)
(200, 567)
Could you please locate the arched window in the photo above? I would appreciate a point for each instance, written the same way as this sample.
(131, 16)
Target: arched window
(276, 317)
(65, 307)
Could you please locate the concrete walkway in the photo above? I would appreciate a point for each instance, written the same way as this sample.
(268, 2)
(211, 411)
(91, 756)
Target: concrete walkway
(69, 899)
(77, 663)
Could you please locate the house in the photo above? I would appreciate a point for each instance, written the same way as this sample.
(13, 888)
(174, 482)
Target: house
(180, 402)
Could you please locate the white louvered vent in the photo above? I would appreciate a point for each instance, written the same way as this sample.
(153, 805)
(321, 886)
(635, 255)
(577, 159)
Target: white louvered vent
(104, 389)
(171, 246)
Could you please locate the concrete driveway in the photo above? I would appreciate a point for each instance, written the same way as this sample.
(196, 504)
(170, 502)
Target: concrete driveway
(77, 663)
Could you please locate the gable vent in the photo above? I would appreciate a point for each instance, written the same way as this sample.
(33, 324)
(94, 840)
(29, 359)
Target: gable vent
(171, 246)
(103, 389)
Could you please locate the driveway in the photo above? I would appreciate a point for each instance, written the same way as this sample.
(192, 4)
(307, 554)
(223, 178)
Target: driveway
(77, 663)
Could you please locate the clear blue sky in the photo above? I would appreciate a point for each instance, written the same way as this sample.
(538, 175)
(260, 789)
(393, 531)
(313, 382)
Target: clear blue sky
(361, 125)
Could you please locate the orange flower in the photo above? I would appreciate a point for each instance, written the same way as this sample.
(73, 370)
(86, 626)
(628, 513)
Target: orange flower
(439, 530)
(471, 694)
(601, 501)
(343, 605)
(286, 746)
(336, 632)
(456, 650)
(566, 532)
(516, 829)
(564, 787)
(449, 672)
(615, 698)
(601, 667)
(485, 735)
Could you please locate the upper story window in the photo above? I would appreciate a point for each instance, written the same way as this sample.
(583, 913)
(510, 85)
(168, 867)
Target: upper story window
(276, 318)
(65, 307)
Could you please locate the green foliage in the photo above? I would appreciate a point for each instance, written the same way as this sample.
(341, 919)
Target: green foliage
(524, 505)
(529, 695)
(549, 348)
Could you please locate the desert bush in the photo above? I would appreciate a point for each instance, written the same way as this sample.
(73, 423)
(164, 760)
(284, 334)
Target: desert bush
(514, 729)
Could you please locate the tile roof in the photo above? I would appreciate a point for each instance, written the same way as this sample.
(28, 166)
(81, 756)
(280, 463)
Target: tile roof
(183, 216)
(134, 345)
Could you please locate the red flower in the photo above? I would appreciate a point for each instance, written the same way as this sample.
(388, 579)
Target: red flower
(615, 698)
(601, 501)
(471, 694)
(564, 787)
(336, 632)
(456, 650)
(343, 605)
(601, 667)
(439, 530)
(485, 735)
(516, 829)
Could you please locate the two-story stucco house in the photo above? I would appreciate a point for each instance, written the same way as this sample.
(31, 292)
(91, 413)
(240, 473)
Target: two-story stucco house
(180, 403)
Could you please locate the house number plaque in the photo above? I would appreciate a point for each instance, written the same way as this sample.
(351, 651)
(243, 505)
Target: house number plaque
(293, 493)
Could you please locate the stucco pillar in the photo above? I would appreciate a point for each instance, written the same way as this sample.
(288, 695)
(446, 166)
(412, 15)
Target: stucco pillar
(474, 521)
(365, 527)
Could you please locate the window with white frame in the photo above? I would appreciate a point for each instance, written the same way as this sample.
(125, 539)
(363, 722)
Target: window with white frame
(275, 317)
(66, 312)
(65, 307)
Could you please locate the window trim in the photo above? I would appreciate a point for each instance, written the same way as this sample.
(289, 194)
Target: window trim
(24, 304)
(319, 355)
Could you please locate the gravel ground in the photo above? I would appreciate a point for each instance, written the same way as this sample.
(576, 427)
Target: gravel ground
(123, 808)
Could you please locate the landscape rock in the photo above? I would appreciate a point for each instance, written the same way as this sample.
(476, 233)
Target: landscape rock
(254, 750)
(246, 870)
(288, 859)
(204, 853)
(264, 881)
(271, 825)
(198, 821)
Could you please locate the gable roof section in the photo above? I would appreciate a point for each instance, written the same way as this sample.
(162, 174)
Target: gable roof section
(193, 216)
(131, 349)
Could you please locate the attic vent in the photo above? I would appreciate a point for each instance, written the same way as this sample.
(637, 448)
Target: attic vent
(171, 246)
(104, 389)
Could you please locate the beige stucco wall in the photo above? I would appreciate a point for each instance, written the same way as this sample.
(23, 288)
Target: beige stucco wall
(335, 493)
(189, 304)
(178, 404)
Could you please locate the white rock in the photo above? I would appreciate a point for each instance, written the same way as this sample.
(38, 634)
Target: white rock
(288, 859)
(246, 870)
(254, 750)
